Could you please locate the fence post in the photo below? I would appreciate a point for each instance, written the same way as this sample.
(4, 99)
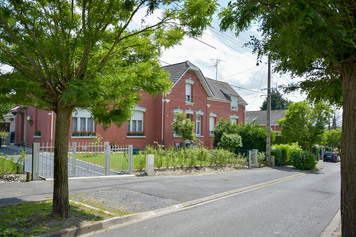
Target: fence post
(150, 164)
(74, 157)
(35, 160)
(249, 159)
(131, 159)
(107, 158)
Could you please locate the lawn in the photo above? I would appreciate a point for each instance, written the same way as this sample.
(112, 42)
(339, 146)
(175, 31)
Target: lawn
(33, 218)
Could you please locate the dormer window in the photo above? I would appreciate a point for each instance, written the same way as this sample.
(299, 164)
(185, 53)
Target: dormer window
(188, 91)
(234, 103)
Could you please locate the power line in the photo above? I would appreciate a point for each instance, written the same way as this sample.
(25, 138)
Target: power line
(240, 72)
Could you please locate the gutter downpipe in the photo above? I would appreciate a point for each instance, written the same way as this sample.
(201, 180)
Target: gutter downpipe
(162, 134)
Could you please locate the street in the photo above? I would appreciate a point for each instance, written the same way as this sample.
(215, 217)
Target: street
(302, 206)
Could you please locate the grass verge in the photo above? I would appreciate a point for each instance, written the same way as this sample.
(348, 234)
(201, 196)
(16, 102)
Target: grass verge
(33, 218)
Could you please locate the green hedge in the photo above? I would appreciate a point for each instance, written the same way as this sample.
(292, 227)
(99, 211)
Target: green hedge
(282, 153)
(304, 160)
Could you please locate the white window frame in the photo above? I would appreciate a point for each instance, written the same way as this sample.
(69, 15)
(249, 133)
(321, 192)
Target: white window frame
(136, 122)
(198, 123)
(82, 116)
(211, 125)
(234, 103)
(189, 91)
(234, 119)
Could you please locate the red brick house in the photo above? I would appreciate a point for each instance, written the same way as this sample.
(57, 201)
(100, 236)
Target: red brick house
(205, 101)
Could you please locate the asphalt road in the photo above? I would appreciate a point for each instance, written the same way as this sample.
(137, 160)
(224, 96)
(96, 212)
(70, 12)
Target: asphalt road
(302, 206)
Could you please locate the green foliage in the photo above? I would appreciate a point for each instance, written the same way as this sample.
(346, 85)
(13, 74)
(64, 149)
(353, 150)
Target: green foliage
(5, 104)
(33, 219)
(311, 37)
(332, 138)
(252, 135)
(277, 101)
(261, 158)
(283, 153)
(192, 157)
(230, 142)
(304, 160)
(184, 127)
(8, 165)
(304, 124)
(223, 126)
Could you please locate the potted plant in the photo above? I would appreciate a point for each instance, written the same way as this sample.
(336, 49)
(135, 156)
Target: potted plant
(75, 133)
(38, 133)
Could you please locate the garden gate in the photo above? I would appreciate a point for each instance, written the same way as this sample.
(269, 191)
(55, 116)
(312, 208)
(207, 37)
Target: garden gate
(84, 159)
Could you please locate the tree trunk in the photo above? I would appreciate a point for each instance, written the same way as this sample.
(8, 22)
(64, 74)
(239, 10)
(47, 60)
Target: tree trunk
(348, 153)
(60, 206)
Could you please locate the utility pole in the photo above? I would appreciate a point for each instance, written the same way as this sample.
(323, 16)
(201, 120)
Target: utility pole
(268, 139)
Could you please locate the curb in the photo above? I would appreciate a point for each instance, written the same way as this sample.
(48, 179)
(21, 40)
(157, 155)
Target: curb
(334, 227)
(85, 229)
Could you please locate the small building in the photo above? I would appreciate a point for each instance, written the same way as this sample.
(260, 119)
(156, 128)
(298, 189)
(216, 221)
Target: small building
(205, 101)
(260, 117)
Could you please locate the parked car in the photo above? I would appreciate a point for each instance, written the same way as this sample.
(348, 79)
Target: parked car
(331, 156)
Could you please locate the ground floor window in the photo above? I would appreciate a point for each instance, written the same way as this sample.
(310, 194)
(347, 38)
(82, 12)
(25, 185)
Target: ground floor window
(198, 125)
(82, 123)
(135, 124)
(211, 125)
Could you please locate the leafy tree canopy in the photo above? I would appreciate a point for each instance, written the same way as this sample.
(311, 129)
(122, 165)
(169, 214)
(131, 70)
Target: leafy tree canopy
(277, 101)
(90, 54)
(304, 124)
(68, 54)
(332, 138)
(313, 37)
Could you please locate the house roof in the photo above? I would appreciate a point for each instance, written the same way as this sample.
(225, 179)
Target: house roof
(261, 116)
(223, 90)
(219, 90)
(177, 70)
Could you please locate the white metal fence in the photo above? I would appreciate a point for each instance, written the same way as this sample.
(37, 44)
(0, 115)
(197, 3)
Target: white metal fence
(84, 159)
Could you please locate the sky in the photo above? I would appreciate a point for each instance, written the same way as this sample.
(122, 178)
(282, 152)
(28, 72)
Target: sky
(236, 64)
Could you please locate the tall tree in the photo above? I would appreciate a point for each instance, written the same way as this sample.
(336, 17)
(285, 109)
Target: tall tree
(68, 54)
(316, 39)
(304, 124)
(277, 101)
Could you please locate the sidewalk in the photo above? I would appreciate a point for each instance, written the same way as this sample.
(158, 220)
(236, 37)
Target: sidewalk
(168, 193)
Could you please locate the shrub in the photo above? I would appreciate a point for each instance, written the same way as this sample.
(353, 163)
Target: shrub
(261, 158)
(283, 152)
(8, 165)
(230, 141)
(304, 160)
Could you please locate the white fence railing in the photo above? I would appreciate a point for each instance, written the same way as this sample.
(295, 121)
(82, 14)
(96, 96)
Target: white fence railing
(84, 159)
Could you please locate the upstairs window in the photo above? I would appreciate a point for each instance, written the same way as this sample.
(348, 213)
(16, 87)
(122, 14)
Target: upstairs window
(234, 103)
(188, 93)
